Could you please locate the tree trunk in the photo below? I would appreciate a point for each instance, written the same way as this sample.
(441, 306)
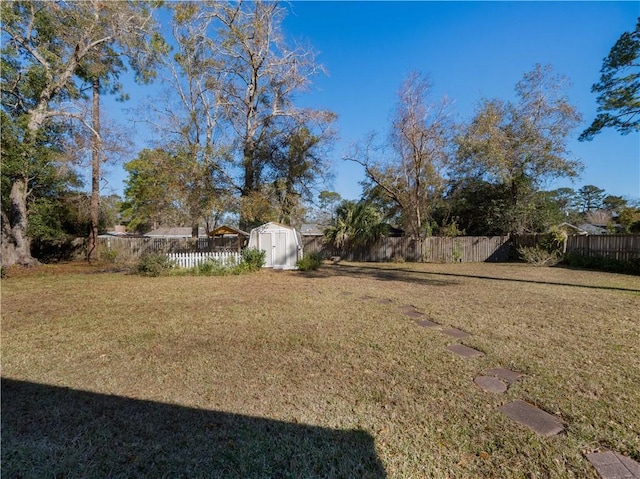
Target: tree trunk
(92, 248)
(249, 185)
(16, 245)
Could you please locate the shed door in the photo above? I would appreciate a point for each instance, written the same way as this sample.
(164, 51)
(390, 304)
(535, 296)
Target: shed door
(280, 243)
(266, 244)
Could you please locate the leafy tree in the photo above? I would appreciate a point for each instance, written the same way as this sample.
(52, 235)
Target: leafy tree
(613, 203)
(564, 197)
(482, 208)
(328, 202)
(297, 165)
(152, 192)
(590, 198)
(520, 145)
(45, 45)
(356, 224)
(411, 176)
(49, 175)
(619, 88)
(629, 219)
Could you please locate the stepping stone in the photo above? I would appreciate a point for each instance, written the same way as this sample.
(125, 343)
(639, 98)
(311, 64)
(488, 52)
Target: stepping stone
(407, 307)
(465, 351)
(505, 374)
(425, 323)
(453, 332)
(413, 314)
(384, 301)
(612, 465)
(490, 384)
(366, 297)
(540, 421)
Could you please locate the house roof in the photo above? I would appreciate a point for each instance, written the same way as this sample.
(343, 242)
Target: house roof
(311, 229)
(567, 226)
(593, 229)
(227, 230)
(176, 232)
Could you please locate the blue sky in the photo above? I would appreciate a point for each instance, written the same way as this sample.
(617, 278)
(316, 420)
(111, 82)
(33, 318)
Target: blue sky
(470, 51)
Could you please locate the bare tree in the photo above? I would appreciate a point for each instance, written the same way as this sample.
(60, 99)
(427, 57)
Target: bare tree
(408, 168)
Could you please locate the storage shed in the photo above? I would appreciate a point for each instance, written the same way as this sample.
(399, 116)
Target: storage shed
(282, 244)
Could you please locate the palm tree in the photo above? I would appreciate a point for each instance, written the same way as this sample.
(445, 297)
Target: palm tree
(356, 224)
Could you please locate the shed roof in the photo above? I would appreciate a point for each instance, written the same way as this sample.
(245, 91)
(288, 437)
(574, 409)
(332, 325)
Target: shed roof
(227, 230)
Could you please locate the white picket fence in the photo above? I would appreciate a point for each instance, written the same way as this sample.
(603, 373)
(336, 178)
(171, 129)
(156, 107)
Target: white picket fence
(189, 260)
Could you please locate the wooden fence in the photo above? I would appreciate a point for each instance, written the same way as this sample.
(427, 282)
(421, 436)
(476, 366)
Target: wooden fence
(433, 249)
(136, 247)
(620, 247)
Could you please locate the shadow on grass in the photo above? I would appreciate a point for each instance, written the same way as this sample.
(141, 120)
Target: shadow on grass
(52, 432)
(400, 274)
(382, 274)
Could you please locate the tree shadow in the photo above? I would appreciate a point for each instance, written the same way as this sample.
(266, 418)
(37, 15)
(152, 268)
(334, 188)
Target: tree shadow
(381, 274)
(399, 274)
(50, 431)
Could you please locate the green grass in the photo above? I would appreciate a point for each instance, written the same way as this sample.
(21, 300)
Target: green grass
(291, 374)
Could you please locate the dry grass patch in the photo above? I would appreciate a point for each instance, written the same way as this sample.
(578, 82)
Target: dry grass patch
(289, 374)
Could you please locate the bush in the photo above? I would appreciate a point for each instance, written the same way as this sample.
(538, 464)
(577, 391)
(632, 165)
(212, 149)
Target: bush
(539, 256)
(310, 262)
(603, 264)
(109, 255)
(154, 264)
(211, 267)
(253, 259)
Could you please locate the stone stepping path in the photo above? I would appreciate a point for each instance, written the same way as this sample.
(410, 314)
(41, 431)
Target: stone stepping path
(540, 421)
(611, 465)
(465, 351)
(491, 384)
(505, 374)
(455, 333)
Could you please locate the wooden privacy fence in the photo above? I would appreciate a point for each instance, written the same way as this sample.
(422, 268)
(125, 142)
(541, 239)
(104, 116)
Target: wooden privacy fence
(433, 249)
(620, 247)
(465, 249)
(136, 247)
(189, 260)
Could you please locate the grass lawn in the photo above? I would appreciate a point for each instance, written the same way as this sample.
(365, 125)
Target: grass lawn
(290, 374)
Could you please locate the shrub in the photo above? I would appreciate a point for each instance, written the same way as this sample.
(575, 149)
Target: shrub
(253, 259)
(211, 267)
(539, 256)
(109, 255)
(603, 264)
(310, 262)
(154, 264)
